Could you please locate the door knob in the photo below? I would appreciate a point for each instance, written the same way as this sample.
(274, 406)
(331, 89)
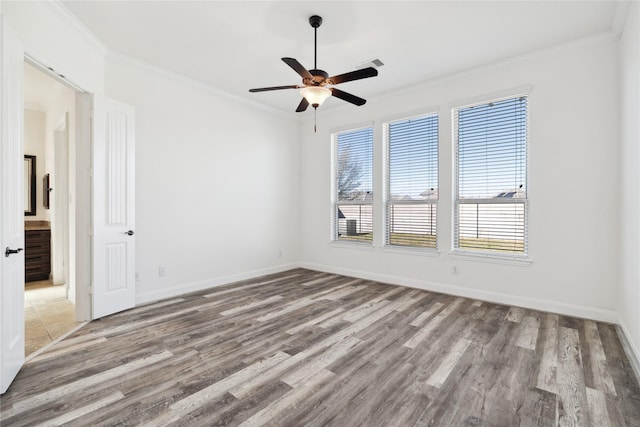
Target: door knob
(130, 232)
(8, 251)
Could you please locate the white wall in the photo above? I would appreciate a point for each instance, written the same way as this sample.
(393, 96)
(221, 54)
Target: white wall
(629, 292)
(573, 186)
(216, 183)
(34, 145)
(54, 39)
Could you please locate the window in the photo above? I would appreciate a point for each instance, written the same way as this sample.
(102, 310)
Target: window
(490, 212)
(412, 181)
(353, 177)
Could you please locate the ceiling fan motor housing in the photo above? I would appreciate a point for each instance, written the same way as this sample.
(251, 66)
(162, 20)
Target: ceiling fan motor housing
(319, 78)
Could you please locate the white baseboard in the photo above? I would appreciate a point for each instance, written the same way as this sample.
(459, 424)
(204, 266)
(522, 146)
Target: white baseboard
(632, 352)
(480, 294)
(490, 296)
(156, 295)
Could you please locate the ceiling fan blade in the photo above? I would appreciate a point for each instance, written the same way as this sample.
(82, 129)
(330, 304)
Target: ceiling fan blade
(302, 106)
(298, 68)
(353, 75)
(345, 96)
(264, 89)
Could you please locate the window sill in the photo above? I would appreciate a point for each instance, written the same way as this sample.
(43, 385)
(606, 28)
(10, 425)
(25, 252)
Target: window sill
(430, 252)
(523, 261)
(362, 246)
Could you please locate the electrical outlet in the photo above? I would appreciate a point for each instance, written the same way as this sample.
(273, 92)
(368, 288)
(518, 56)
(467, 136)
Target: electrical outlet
(454, 269)
(161, 271)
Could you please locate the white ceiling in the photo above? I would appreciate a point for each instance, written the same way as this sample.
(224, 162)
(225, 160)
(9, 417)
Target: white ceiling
(237, 45)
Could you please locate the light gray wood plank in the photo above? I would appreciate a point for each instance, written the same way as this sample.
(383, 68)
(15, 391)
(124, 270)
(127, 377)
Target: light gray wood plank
(406, 301)
(528, 334)
(334, 296)
(227, 290)
(448, 363)
(316, 320)
(149, 307)
(251, 306)
(547, 374)
(434, 323)
(599, 369)
(318, 281)
(363, 310)
(73, 415)
(294, 397)
(419, 321)
(515, 314)
(201, 397)
(286, 309)
(57, 351)
(318, 363)
(597, 408)
(571, 387)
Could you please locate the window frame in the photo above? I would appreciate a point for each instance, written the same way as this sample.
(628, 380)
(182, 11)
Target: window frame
(386, 173)
(335, 202)
(485, 254)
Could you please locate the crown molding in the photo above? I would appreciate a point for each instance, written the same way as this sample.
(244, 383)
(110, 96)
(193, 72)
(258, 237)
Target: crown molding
(70, 18)
(194, 83)
(620, 17)
(606, 37)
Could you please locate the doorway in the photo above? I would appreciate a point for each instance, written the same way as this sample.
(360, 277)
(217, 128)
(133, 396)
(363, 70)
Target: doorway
(50, 311)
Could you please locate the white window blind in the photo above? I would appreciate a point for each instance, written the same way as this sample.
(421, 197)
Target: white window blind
(353, 192)
(412, 181)
(491, 177)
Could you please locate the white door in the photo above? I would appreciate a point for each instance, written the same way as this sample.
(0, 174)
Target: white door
(11, 207)
(113, 274)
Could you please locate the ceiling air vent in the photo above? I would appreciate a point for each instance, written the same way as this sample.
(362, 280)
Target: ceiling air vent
(375, 63)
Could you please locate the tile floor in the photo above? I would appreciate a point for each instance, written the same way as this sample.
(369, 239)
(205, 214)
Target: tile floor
(48, 314)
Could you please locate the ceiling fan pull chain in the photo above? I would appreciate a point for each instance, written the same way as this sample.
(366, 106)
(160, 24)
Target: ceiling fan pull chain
(315, 120)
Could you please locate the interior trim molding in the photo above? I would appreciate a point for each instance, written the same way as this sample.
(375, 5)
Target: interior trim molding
(633, 354)
(620, 17)
(198, 84)
(561, 49)
(62, 11)
(178, 290)
(597, 314)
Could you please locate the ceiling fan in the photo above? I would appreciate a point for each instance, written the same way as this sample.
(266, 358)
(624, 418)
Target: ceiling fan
(314, 91)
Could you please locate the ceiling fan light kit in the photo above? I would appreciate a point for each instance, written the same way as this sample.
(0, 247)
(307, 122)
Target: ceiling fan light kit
(315, 95)
(314, 91)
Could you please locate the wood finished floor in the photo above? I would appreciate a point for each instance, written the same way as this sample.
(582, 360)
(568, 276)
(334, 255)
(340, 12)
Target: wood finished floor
(303, 348)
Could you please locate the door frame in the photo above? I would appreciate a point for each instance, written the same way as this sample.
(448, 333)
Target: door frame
(60, 213)
(80, 208)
